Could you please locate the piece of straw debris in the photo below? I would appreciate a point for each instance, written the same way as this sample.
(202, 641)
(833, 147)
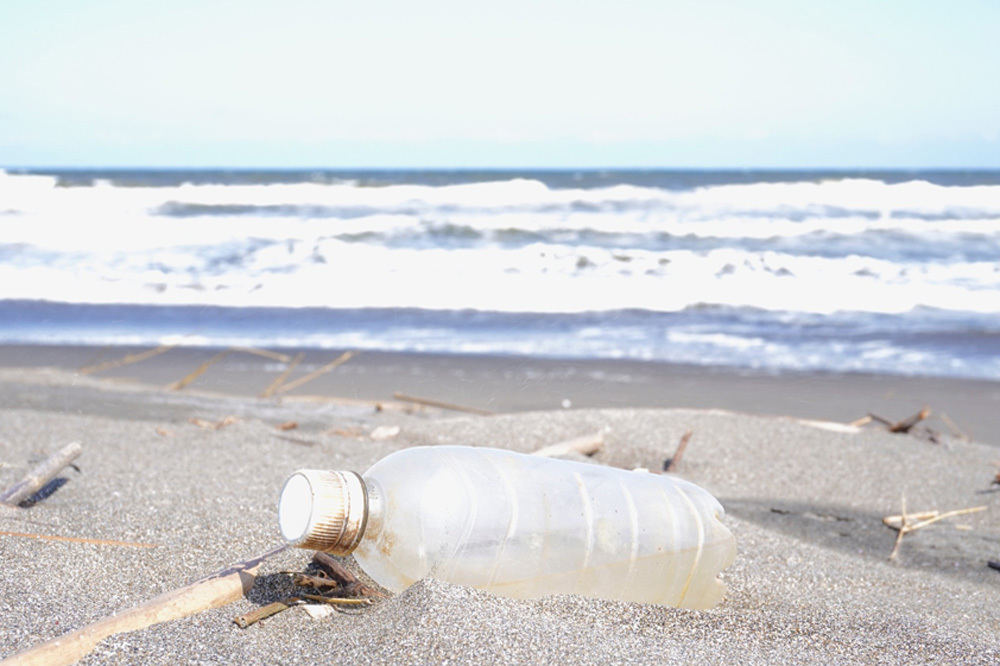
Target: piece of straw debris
(955, 430)
(198, 372)
(288, 425)
(340, 360)
(96, 542)
(265, 353)
(903, 525)
(864, 420)
(163, 432)
(384, 432)
(586, 445)
(40, 474)
(671, 463)
(429, 402)
(213, 425)
(256, 615)
(337, 601)
(345, 432)
(276, 384)
(126, 360)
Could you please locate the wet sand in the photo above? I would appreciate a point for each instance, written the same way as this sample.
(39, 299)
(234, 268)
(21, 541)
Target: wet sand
(811, 583)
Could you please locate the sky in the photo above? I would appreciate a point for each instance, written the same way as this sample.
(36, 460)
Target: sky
(393, 83)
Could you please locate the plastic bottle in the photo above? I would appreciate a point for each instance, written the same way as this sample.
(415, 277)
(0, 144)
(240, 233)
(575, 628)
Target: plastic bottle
(517, 525)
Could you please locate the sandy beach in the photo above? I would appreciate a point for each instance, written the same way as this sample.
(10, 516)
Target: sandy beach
(812, 582)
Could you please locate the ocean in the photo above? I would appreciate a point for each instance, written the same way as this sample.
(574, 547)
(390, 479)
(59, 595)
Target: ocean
(886, 272)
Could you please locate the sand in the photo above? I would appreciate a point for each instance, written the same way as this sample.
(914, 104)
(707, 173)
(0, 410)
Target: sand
(811, 583)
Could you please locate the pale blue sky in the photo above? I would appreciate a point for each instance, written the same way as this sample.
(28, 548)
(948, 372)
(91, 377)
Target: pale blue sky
(768, 83)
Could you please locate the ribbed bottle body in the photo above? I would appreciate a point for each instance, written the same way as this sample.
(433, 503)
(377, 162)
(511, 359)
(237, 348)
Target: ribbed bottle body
(528, 526)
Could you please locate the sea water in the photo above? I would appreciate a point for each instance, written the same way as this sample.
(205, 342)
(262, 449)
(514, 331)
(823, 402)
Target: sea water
(885, 272)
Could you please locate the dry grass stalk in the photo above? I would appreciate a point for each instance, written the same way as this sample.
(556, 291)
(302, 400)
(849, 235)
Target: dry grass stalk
(41, 474)
(199, 371)
(266, 353)
(441, 404)
(163, 432)
(340, 360)
(675, 460)
(213, 425)
(586, 445)
(219, 589)
(126, 360)
(864, 420)
(955, 430)
(276, 384)
(903, 525)
(96, 542)
(337, 601)
(288, 425)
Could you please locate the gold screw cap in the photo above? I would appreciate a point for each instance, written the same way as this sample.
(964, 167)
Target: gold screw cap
(323, 510)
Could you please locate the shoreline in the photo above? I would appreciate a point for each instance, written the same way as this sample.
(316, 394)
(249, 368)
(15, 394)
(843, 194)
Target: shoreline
(521, 384)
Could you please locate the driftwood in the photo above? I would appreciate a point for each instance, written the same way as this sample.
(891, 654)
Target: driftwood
(276, 384)
(340, 360)
(126, 360)
(40, 474)
(587, 445)
(199, 371)
(441, 404)
(219, 589)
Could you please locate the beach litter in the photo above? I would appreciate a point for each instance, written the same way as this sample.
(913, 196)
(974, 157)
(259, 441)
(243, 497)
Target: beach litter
(402, 526)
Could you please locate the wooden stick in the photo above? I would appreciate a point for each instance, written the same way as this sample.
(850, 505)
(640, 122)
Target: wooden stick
(266, 353)
(219, 589)
(97, 542)
(199, 371)
(41, 474)
(442, 405)
(255, 616)
(586, 445)
(276, 384)
(864, 420)
(340, 360)
(679, 453)
(126, 360)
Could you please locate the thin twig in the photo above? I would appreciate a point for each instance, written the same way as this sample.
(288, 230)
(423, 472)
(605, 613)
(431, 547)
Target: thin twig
(126, 360)
(199, 371)
(340, 360)
(96, 542)
(255, 616)
(273, 386)
(441, 405)
(955, 430)
(923, 518)
(337, 601)
(266, 353)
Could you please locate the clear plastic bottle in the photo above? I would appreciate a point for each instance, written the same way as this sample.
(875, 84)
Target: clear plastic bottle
(517, 525)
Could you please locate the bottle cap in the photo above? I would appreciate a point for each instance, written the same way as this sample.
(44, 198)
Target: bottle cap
(323, 510)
